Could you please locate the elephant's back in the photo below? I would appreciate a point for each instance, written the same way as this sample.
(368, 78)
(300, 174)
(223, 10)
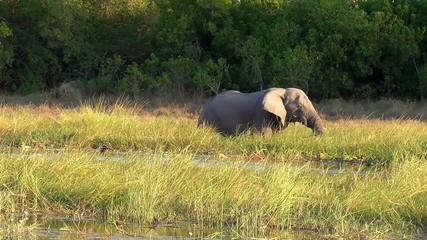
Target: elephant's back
(207, 115)
(233, 99)
(224, 111)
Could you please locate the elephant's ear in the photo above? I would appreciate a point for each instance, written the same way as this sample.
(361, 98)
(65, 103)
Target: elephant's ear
(273, 103)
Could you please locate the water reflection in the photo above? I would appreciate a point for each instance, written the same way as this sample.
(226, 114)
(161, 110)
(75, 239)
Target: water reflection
(60, 227)
(40, 226)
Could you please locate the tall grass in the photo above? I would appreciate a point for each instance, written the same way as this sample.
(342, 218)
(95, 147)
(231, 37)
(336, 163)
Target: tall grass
(146, 190)
(123, 128)
(126, 163)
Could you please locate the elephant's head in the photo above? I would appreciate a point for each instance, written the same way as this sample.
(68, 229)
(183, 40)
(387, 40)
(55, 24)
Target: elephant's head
(292, 105)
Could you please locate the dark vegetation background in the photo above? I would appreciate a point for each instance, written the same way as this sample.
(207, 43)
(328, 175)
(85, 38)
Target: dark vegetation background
(329, 48)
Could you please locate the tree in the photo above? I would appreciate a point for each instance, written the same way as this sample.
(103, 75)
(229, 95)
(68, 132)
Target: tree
(218, 73)
(6, 53)
(294, 68)
(252, 54)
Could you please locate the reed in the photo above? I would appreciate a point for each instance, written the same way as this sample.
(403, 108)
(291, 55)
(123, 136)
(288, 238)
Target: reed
(123, 163)
(145, 189)
(122, 128)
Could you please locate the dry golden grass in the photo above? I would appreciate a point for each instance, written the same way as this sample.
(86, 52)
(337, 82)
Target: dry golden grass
(382, 109)
(183, 104)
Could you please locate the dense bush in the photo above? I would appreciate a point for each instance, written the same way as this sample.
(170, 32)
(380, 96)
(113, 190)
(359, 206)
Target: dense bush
(329, 48)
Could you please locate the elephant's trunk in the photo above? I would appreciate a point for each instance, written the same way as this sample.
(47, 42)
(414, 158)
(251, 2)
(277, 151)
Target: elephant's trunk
(315, 123)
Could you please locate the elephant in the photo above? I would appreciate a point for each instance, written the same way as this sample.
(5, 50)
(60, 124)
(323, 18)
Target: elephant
(233, 112)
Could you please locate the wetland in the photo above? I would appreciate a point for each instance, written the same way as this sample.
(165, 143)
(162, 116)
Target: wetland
(121, 171)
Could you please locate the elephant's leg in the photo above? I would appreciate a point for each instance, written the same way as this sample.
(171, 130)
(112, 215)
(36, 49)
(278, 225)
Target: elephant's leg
(275, 124)
(267, 124)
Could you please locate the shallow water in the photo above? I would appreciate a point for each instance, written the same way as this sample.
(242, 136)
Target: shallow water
(336, 166)
(57, 227)
(39, 226)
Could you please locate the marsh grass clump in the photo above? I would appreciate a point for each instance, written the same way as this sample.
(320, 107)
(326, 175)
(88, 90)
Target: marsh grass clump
(148, 189)
(397, 197)
(121, 128)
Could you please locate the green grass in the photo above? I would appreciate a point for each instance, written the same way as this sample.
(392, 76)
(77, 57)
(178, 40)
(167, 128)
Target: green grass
(124, 128)
(145, 190)
(139, 187)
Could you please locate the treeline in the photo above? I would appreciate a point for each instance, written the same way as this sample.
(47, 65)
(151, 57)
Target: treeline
(329, 48)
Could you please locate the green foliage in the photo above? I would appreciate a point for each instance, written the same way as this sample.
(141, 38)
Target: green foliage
(293, 68)
(217, 75)
(252, 55)
(132, 81)
(422, 78)
(111, 70)
(6, 52)
(328, 48)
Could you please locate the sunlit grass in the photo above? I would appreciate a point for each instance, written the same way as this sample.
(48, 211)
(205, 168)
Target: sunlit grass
(123, 128)
(127, 163)
(147, 189)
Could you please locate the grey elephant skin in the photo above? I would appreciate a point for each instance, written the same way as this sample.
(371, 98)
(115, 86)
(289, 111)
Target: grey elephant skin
(232, 112)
